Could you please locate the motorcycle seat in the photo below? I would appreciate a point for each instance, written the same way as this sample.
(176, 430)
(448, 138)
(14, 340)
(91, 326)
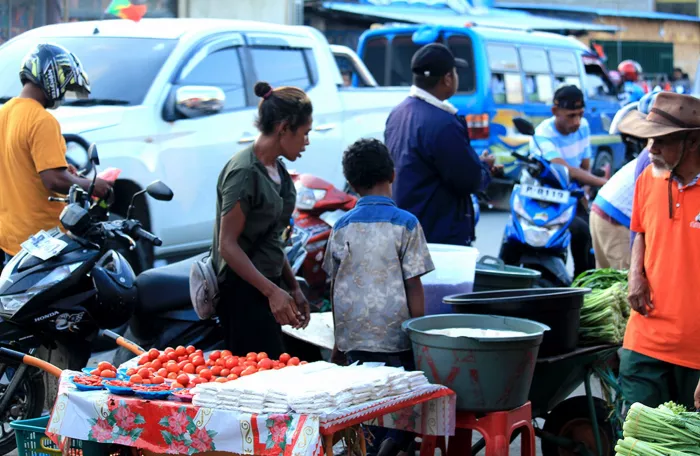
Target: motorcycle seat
(166, 288)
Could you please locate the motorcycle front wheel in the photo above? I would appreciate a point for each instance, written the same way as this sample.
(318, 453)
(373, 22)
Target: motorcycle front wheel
(27, 402)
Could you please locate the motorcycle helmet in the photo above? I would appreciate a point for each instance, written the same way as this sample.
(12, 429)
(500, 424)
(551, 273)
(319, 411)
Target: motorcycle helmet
(633, 145)
(630, 70)
(116, 299)
(55, 70)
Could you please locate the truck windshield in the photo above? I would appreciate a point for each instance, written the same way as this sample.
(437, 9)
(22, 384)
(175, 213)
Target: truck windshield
(120, 70)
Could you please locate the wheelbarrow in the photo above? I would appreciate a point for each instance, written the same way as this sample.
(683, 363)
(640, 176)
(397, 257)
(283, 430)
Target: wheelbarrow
(584, 425)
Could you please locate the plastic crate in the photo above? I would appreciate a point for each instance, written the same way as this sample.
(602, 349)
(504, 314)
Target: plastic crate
(32, 440)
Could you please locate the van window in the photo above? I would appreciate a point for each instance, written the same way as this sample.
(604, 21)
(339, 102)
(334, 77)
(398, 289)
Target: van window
(538, 80)
(597, 84)
(221, 69)
(565, 68)
(281, 67)
(402, 50)
(506, 84)
(375, 58)
(461, 47)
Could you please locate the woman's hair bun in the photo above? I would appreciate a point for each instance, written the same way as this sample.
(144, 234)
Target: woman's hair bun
(262, 88)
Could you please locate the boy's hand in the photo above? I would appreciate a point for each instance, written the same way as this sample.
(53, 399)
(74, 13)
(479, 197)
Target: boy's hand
(303, 306)
(697, 397)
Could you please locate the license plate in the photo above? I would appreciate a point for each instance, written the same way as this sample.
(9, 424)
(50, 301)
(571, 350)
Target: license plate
(551, 195)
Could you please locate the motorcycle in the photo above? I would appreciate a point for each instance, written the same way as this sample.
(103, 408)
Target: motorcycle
(543, 205)
(319, 205)
(61, 289)
(164, 316)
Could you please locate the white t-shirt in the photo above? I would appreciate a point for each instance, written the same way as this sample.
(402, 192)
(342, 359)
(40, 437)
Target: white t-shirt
(616, 196)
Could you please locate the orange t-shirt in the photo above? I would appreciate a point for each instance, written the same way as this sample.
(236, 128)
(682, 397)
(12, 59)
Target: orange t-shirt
(671, 332)
(30, 142)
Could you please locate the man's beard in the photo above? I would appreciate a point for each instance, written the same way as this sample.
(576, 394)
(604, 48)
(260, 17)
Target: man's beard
(659, 167)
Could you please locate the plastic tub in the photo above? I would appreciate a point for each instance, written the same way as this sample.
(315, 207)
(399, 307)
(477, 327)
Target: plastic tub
(558, 308)
(32, 441)
(487, 373)
(492, 274)
(455, 266)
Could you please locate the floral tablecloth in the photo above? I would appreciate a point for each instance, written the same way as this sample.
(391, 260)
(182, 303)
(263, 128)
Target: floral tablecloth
(181, 428)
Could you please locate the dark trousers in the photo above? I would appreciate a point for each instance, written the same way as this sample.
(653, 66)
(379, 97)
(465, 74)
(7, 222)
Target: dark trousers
(402, 359)
(581, 242)
(4, 259)
(652, 382)
(247, 320)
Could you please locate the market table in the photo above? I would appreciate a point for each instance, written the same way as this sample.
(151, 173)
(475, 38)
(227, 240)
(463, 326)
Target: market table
(176, 427)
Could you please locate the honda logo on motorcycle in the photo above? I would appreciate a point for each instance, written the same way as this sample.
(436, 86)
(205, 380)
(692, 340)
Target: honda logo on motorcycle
(45, 317)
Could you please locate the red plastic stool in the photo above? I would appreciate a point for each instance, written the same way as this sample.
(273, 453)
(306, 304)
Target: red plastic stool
(496, 428)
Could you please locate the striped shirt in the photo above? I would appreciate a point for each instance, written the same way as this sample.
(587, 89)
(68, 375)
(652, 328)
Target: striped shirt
(573, 148)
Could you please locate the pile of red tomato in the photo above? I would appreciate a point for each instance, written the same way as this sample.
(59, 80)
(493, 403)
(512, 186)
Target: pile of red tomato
(187, 366)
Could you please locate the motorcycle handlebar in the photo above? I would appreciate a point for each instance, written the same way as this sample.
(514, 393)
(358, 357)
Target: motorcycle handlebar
(145, 235)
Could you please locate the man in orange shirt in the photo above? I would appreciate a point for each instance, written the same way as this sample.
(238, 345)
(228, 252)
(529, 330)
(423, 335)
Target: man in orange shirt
(32, 149)
(660, 360)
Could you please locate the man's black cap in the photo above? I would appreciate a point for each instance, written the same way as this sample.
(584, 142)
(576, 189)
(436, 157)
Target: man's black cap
(569, 97)
(435, 59)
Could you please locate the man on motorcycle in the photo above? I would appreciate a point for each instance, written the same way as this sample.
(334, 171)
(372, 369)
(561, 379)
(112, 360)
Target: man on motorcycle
(660, 360)
(32, 149)
(565, 139)
(631, 72)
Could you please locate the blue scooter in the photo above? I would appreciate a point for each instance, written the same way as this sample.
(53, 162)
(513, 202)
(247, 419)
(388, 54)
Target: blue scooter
(543, 205)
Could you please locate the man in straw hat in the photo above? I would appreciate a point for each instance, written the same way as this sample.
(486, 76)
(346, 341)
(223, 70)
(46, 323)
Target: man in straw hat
(660, 360)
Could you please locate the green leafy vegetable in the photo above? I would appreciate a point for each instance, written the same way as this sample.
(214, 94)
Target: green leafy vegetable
(667, 430)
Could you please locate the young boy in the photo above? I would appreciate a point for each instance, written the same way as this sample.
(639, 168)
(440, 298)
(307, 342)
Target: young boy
(375, 257)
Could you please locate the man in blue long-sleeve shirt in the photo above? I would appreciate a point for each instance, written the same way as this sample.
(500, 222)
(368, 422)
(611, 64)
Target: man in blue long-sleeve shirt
(436, 166)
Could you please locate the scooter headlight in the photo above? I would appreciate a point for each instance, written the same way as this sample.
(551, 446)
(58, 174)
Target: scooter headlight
(10, 304)
(308, 197)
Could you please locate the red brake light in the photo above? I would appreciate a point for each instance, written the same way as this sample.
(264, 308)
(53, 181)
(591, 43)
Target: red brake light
(478, 125)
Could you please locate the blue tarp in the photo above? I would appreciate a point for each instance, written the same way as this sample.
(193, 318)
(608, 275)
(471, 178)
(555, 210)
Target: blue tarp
(489, 17)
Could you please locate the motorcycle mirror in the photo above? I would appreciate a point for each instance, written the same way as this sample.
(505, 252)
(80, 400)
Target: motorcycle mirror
(159, 191)
(93, 155)
(523, 126)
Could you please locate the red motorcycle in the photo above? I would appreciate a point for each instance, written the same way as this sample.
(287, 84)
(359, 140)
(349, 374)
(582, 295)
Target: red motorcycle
(319, 205)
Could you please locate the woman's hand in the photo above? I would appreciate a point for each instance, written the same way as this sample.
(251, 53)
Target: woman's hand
(697, 397)
(303, 306)
(639, 294)
(284, 308)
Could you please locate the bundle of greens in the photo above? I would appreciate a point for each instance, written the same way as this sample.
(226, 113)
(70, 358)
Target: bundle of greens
(605, 310)
(667, 430)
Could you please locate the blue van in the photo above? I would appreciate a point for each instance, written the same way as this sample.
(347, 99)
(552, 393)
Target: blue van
(511, 73)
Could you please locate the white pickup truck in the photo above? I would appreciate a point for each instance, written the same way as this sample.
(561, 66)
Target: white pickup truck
(172, 99)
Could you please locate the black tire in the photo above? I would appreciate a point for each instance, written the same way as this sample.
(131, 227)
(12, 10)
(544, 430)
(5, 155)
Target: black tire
(571, 419)
(602, 158)
(27, 402)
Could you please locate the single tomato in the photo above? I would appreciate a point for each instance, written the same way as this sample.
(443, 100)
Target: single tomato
(108, 374)
(163, 358)
(156, 364)
(303, 363)
(220, 362)
(143, 360)
(190, 349)
(216, 354)
(183, 379)
(163, 372)
(261, 356)
(198, 361)
(136, 379)
(237, 370)
(172, 367)
(177, 385)
(284, 357)
(249, 371)
(168, 350)
(172, 356)
(104, 365)
(144, 373)
(153, 353)
(199, 369)
(206, 373)
(232, 377)
(225, 372)
(216, 371)
(252, 355)
(221, 380)
(226, 353)
(182, 358)
(181, 351)
(188, 368)
(231, 362)
(293, 361)
(131, 371)
(158, 380)
(250, 362)
(172, 375)
(265, 363)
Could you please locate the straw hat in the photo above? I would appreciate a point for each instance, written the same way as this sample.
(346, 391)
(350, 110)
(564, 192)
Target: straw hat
(670, 113)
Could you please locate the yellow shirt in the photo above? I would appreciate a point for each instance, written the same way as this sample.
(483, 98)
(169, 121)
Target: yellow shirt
(30, 142)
